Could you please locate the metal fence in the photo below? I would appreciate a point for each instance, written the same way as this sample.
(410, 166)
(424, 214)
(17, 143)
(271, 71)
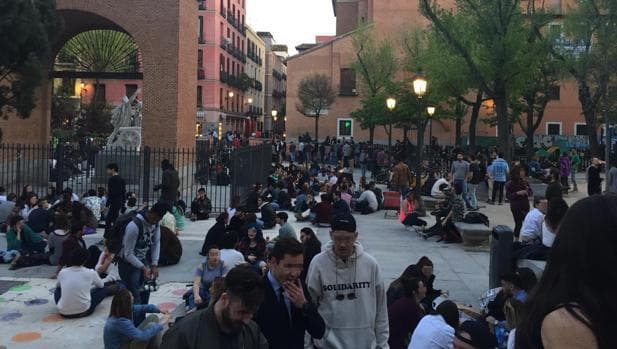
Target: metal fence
(223, 171)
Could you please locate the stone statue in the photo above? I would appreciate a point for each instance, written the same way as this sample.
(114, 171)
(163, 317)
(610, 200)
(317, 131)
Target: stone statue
(126, 119)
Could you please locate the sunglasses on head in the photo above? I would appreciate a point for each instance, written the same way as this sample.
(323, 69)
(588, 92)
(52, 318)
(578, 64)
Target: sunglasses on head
(350, 296)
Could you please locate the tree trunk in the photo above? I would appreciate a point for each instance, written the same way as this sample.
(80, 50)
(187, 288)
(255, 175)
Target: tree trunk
(457, 131)
(473, 119)
(371, 134)
(419, 152)
(389, 133)
(589, 112)
(316, 129)
(503, 124)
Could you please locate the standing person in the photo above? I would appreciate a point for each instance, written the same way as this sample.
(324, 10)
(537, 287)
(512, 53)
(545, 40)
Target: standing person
(363, 159)
(116, 194)
(518, 193)
(405, 313)
(573, 303)
(347, 286)
(554, 188)
(564, 167)
(499, 173)
(227, 323)
(170, 183)
(460, 174)
(475, 177)
(401, 177)
(287, 311)
(575, 163)
(141, 249)
(594, 182)
(611, 182)
(312, 247)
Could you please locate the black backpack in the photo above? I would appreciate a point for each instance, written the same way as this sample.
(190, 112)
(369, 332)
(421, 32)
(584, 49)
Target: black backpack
(115, 236)
(476, 218)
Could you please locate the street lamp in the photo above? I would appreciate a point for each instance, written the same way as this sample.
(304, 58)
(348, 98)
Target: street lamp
(230, 94)
(391, 103)
(431, 111)
(419, 85)
(419, 89)
(274, 118)
(250, 100)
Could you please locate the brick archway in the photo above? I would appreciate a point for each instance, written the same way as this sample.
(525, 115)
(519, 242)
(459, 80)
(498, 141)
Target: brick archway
(166, 33)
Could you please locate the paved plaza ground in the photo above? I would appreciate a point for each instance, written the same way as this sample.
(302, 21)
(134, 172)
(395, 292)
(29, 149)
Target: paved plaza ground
(28, 317)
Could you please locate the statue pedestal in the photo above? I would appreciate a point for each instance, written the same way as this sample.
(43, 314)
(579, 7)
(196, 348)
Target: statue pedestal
(125, 138)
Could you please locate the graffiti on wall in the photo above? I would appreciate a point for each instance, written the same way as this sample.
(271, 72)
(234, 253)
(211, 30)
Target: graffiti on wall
(544, 141)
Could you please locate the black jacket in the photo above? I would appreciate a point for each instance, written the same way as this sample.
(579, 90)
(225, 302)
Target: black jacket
(214, 236)
(268, 216)
(276, 327)
(40, 220)
(116, 191)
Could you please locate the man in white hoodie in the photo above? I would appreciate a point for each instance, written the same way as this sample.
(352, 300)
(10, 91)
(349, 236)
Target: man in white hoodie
(346, 284)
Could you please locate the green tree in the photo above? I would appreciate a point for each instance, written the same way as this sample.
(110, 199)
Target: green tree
(95, 120)
(376, 65)
(315, 95)
(27, 30)
(493, 46)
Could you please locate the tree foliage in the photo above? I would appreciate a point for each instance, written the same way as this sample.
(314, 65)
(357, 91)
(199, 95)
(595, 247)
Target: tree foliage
(315, 95)
(27, 30)
(101, 51)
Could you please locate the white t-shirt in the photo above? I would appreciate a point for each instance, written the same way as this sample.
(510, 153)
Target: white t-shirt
(435, 192)
(532, 225)
(432, 333)
(75, 283)
(112, 270)
(369, 197)
(231, 258)
(548, 237)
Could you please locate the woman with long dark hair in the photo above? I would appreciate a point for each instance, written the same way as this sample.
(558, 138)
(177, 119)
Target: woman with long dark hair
(574, 304)
(253, 247)
(518, 193)
(312, 247)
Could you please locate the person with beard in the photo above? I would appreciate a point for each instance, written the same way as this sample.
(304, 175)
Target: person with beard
(227, 323)
(287, 311)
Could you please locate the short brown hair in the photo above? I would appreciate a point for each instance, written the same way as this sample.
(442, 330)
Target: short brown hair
(122, 305)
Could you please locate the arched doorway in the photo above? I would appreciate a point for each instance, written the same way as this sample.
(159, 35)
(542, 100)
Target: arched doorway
(166, 34)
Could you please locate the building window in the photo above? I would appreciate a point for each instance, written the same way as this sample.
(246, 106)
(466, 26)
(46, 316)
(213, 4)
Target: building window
(348, 82)
(200, 58)
(554, 93)
(199, 97)
(344, 128)
(130, 89)
(553, 128)
(99, 92)
(580, 129)
(200, 29)
(221, 98)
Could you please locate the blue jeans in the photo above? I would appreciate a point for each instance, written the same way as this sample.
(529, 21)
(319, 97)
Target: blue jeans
(463, 184)
(96, 297)
(363, 169)
(471, 191)
(133, 278)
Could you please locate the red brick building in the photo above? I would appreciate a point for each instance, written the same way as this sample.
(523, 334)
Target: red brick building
(334, 56)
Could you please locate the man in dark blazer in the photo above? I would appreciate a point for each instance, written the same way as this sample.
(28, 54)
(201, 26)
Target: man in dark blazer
(287, 311)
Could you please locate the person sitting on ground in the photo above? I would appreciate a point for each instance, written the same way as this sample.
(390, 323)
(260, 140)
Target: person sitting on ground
(541, 246)
(253, 247)
(251, 201)
(20, 237)
(554, 188)
(428, 183)
(339, 206)
(405, 313)
(41, 219)
(74, 294)
(215, 234)
(513, 285)
(473, 335)
(213, 267)
(131, 206)
(120, 329)
(312, 247)
(322, 212)
(372, 186)
(268, 214)
(56, 239)
(93, 202)
(367, 202)
(29, 205)
(437, 190)
(407, 215)
(436, 331)
(72, 243)
(396, 290)
(532, 225)
(229, 255)
(425, 265)
(201, 206)
(304, 208)
(286, 230)
(107, 268)
(171, 247)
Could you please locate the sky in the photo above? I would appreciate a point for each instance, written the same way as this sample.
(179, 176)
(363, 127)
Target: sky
(292, 22)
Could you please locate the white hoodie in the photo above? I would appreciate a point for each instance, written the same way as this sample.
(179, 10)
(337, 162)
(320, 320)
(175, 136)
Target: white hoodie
(360, 323)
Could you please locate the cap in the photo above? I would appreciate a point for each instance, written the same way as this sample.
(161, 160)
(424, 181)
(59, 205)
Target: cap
(480, 336)
(344, 221)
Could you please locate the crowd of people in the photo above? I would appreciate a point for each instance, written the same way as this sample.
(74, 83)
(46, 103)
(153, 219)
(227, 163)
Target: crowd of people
(292, 291)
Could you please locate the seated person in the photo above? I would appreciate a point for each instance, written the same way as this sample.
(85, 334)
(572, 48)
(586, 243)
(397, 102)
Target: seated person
(407, 216)
(395, 290)
(378, 194)
(228, 253)
(285, 230)
(437, 189)
(206, 272)
(535, 170)
(425, 265)
(253, 247)
(322, 212)
(74, 294)
(513, 285)
(215, 234)
(171, 248)
(532, 224)
(429, 183)
(131, 205)
(456, 214)
(41, 219)
(108, 269)
(56, 239)
(367, 202)
(251, 201)
(405, 313)
(201, 206)
(21, 238)
(121, 331)
(540, 248)
(437, 331)
(304, 208)
(93, 202)
(268, 214)
(339, 206)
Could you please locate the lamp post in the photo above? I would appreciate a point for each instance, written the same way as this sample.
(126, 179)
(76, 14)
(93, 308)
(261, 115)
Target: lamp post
(391, 104)
(419, 89)
(431, 111)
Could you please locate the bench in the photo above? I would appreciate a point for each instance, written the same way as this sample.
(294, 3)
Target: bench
(536, 266)
(473, 234)
(431, 203)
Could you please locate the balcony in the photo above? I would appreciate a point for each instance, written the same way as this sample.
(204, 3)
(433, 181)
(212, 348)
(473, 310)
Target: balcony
(224, 76)
(201, 74)
(278, 76)
(223, 12)
(223, 43)
(202, 5)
